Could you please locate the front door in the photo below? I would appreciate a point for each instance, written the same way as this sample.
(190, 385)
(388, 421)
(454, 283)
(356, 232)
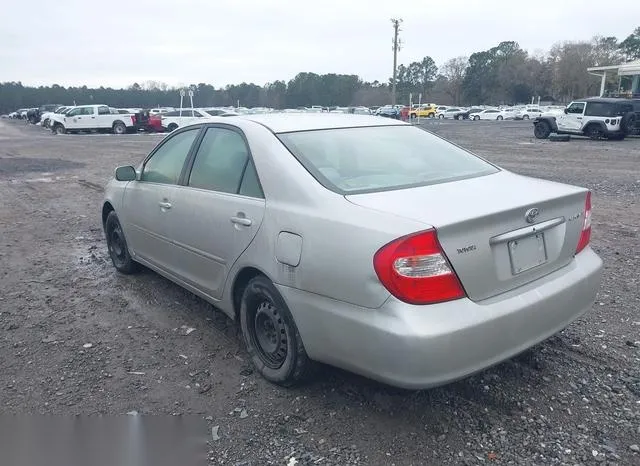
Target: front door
(148, 202)
(218, 211)
(571, 120)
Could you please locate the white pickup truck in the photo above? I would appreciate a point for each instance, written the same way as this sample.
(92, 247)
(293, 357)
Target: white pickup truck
(92, 118)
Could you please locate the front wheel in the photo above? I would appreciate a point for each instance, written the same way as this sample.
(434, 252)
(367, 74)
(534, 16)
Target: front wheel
(525, 117)
(270, 333)
(59, 129)
(441, 116)
(542, 130)
(476, 118)
(499, 118)
(172, 127)
(117, 245)
(119, 128)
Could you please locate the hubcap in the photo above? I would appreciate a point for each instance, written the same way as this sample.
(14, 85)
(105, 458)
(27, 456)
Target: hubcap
(270, 335)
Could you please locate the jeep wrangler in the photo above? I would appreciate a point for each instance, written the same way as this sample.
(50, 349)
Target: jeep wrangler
(596, 118)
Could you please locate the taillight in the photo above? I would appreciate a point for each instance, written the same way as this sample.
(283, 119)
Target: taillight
(133, 119)
(415, 270)
(585, 234)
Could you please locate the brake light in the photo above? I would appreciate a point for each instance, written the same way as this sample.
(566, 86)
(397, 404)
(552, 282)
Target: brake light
(415, 270)
(133, 119)
(585, 235)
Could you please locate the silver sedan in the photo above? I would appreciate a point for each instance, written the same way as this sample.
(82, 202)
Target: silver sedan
(357, 241)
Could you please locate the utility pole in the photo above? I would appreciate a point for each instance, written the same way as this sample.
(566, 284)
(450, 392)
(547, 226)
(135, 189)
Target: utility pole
(396, 47)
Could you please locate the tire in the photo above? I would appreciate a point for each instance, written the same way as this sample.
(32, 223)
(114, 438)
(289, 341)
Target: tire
(499, 118)
(172, 127)
(441, 116)
(525, 117)
(594, 132)
(119, 128)
(58, 129)
(476, 118)
(270, 334)
(117, 245)
(560, 137)
(432, 115)
(45, 123)
(541, 130)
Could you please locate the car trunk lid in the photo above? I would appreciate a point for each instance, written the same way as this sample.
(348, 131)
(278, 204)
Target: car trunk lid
(498, 231)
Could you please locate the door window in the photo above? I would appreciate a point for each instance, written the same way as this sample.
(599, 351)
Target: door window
(75, 112)
(87, 111)
(576, 108)
(166, 163)
(103, 110)
(221, 162)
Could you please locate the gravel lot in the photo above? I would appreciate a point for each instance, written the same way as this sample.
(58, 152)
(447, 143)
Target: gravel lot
(79, 338)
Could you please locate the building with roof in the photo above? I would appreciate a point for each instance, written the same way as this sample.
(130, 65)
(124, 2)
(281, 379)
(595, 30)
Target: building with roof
(628, 79)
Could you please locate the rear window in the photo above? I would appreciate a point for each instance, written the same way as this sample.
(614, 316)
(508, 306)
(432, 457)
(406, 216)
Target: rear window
(369, 159)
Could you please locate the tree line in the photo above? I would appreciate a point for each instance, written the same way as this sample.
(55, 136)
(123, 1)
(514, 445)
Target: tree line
(504, 74)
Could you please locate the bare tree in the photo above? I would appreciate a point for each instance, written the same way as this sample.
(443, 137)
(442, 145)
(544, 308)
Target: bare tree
(453, 70)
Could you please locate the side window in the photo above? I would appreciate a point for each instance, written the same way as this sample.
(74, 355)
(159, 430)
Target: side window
(166, 163)
(576, 108)
(103, 110)
(87, 111)
(197, 114)
(250, 185)
(74, 112)
(220, 161)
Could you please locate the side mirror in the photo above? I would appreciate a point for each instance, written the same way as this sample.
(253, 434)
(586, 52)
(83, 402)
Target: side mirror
(565, 111)
(126, 173)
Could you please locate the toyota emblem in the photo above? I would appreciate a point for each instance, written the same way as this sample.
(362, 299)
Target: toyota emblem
(531, 214)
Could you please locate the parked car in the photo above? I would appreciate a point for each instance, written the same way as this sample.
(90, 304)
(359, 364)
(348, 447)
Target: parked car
(423, 112)
(453, 113)
(253, 215)
(469, 111)
(508, 113)
(179, 118)
(527, 113)
(596, 118)
(92, 118)
(389, 111)
(46, 117)
(486, 114)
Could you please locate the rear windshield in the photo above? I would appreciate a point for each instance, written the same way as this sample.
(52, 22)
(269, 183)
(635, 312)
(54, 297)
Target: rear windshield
(369, 159)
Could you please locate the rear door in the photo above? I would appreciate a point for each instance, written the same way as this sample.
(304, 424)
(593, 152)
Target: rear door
(104, 118)
(218, 210)
(149, 202)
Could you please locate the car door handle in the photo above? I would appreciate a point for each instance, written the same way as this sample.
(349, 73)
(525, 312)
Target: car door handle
(164, 205)
(579, 118)
(241, 221)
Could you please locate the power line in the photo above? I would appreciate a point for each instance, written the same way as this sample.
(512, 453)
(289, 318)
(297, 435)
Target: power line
(396, 47)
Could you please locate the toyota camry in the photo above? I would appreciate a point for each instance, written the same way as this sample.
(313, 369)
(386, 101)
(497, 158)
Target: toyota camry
(358, 241)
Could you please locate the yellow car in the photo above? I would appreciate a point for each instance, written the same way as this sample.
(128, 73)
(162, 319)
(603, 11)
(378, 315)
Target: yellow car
(423, 112)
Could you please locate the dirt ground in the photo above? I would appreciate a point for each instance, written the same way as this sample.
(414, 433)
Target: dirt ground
(77, 338)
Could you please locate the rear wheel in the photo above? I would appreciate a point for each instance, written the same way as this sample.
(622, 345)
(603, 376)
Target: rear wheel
(476, 118)
(119, 128)
(172, 127)
(525, 117)
(541, 130)
(441, 116)
(270, 333)
(117, 245)
(499, 117)
(594, 132)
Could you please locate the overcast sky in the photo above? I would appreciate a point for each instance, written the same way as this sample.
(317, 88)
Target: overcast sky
(75, 42)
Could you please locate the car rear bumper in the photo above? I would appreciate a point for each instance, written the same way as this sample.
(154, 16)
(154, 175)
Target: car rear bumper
(423, 346)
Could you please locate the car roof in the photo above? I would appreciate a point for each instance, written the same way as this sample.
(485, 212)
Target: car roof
(608, 100)
(290, 122)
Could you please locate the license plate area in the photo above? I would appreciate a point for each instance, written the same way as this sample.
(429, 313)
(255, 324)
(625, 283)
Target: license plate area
(527, 253)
